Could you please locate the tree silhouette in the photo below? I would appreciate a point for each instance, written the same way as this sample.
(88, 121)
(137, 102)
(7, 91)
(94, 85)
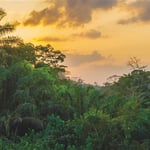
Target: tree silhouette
(135, 64)
(4, 30)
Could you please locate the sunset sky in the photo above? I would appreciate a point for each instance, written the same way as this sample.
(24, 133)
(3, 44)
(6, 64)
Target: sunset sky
(97, 36)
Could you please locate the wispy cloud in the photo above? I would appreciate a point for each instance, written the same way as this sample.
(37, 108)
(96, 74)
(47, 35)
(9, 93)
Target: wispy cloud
(91, 34)
(50, 39)
(80, 59)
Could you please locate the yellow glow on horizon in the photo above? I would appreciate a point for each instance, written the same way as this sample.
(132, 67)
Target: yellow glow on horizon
(118, 41)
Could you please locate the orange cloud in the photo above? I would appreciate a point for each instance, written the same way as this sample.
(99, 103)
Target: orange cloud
(51, 39)
(91, 34)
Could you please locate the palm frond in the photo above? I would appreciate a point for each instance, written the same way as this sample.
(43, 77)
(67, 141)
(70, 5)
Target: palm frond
(10, 40)
(6, 28)
(2, 13)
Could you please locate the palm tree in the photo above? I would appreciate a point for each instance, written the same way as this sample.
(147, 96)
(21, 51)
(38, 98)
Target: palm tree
(5, 29)
(6, 41)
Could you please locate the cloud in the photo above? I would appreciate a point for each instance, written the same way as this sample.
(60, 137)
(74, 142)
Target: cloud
(140, 11)
(68, 12)
(91, 34)
(80, 12)
(51, 39)
(127, 21)
(79, 59)
(45, 17)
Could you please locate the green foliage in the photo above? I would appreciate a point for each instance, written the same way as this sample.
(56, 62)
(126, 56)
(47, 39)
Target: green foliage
(19, 53)
(76, 116)
(50, 56)
(135, 84)
(26, 109)
(3, 77)
(84, 117)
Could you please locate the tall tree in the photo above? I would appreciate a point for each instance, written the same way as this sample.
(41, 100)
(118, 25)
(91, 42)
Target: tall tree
(5, 29)
(135, 64)
(48, 55)
(6, 41)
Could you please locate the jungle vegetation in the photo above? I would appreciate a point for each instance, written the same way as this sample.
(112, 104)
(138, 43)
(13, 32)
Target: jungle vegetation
(75, 115)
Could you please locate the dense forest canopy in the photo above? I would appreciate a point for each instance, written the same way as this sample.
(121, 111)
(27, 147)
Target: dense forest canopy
(41, 110)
